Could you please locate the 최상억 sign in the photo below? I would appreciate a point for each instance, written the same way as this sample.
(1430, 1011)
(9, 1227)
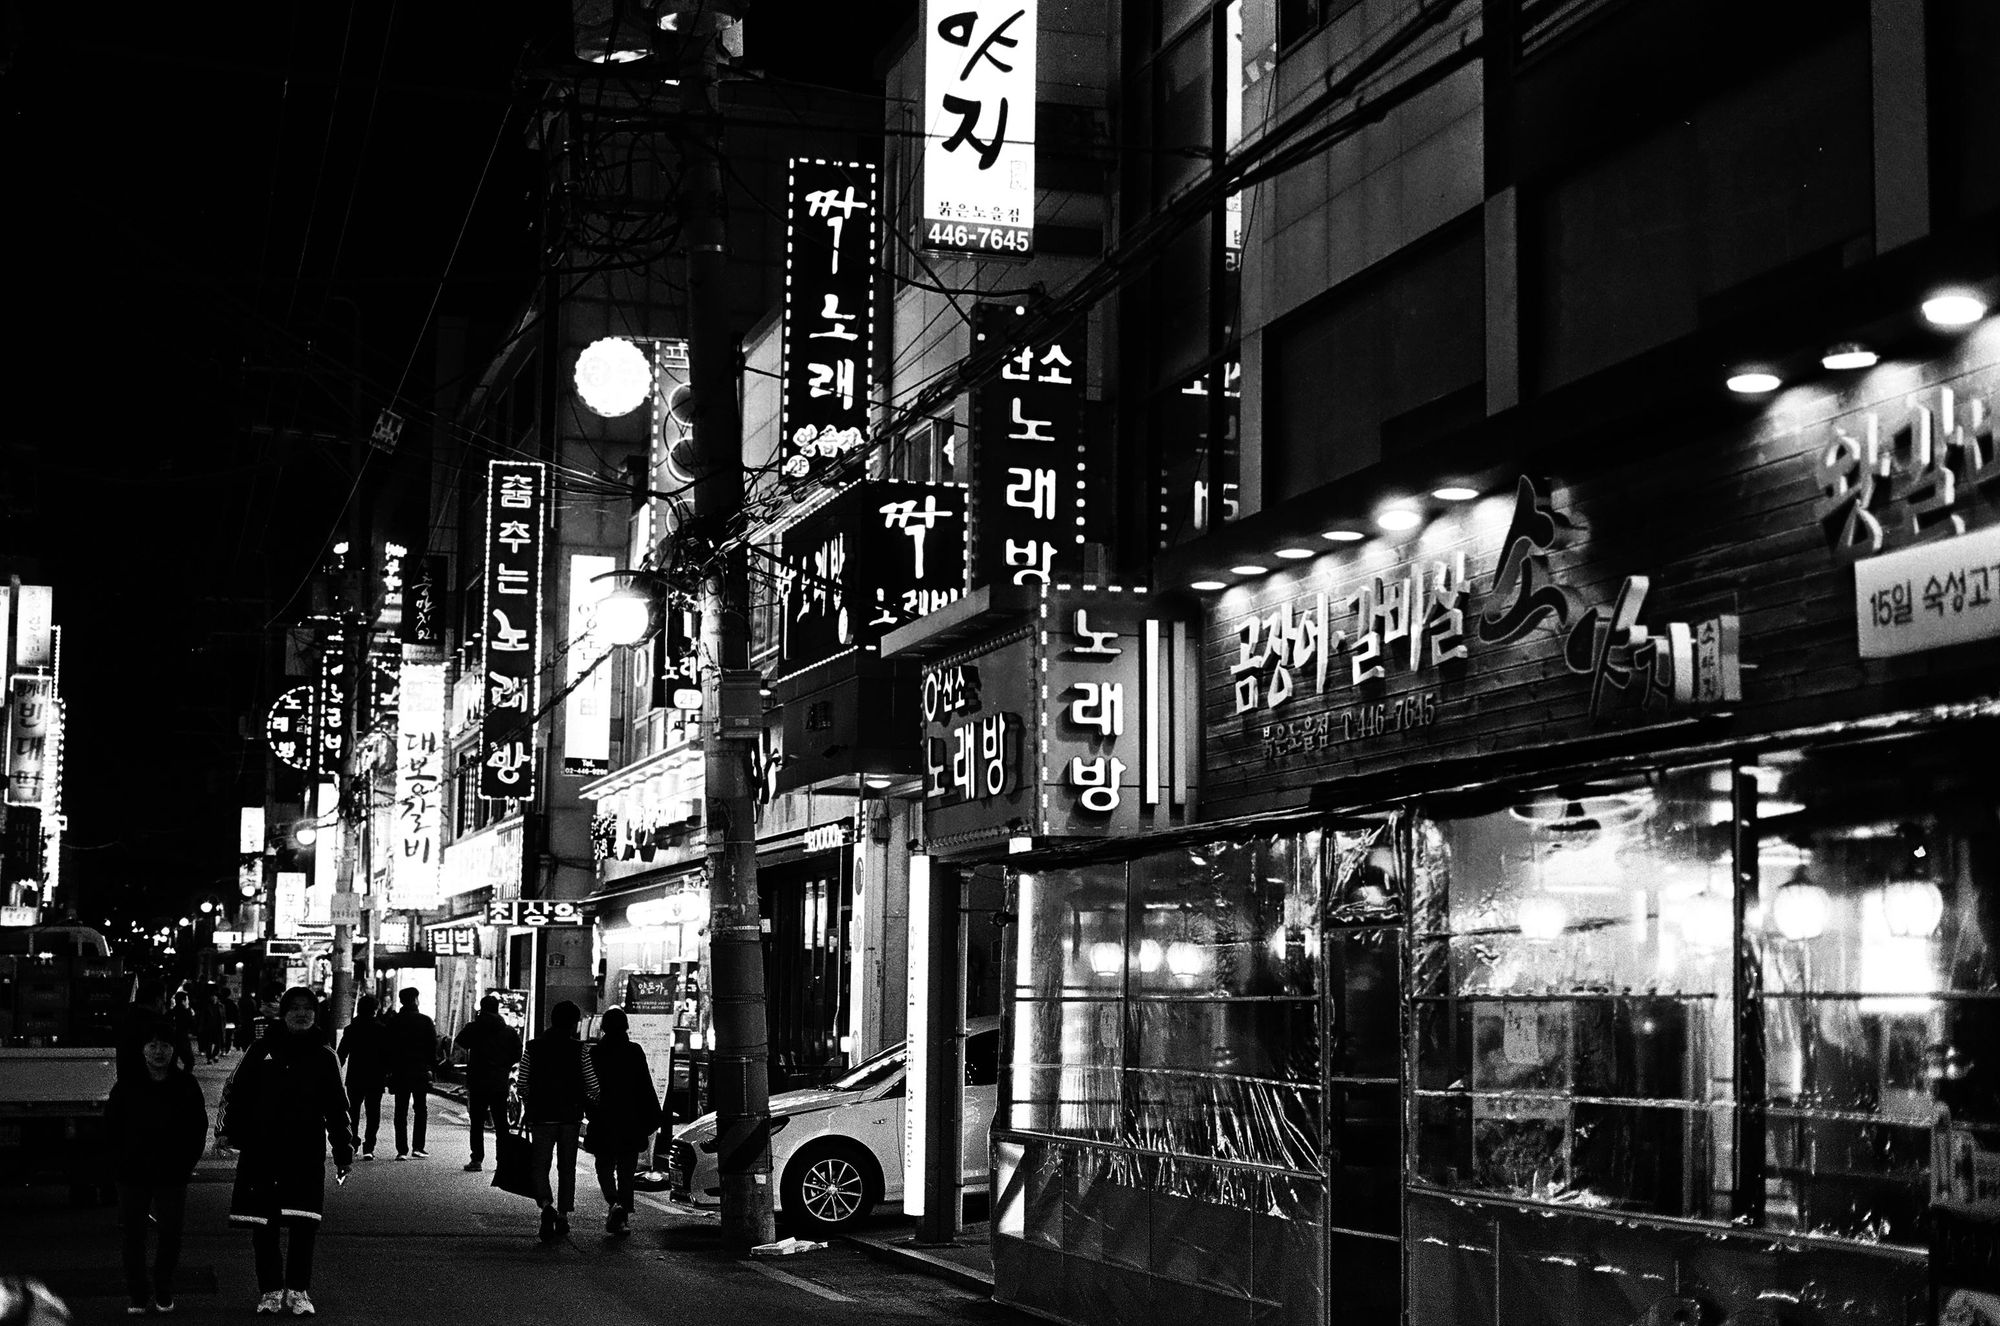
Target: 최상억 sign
(979, 127)
(515, 499)
(829, 314)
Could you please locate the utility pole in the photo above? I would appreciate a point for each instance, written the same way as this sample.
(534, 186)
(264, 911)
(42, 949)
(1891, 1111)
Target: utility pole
(732, 709)
(353, 798)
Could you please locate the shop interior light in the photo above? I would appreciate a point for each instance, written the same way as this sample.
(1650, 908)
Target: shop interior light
(1105, 958)
(1185, 959)
(1150, 955)
(1399, 518)
(1295, 554)
(1954, 308)
(1454, 493)
(1912, 908)
(1209, 586)
(878, 781)
(1541, 917)
(1801, 908)
(1848, 355)
(1753, 381)
(1343, 536)
(1248, 569)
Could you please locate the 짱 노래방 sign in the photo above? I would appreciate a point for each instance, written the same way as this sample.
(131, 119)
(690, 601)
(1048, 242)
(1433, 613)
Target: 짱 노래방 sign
(829, 315)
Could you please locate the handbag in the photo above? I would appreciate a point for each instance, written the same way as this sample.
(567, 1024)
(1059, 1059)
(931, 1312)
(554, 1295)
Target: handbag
(514, 1163)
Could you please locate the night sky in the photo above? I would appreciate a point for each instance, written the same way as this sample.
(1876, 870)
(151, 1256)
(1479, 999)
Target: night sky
(226, 232)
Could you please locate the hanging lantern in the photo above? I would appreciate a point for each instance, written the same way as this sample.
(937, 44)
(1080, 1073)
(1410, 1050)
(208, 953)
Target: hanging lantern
(1801, 908)
(1912, 908)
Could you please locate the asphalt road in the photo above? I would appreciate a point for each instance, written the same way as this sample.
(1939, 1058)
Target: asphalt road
(422, 1241)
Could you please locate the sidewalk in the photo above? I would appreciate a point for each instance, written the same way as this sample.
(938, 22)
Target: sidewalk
(967, 1261)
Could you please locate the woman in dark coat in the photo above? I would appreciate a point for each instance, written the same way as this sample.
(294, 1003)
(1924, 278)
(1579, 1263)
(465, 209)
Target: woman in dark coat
(280, 1111)
(157, 1121)
(627, 1112)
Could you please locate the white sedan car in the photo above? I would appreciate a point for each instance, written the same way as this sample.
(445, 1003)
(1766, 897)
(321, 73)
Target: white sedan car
(837, 1150)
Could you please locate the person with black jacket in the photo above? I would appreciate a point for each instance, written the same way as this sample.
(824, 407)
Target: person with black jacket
(492, 1048)
(142, 1017)
(411, 1051)
(364, 1052)
(280, 1111)
(627, 1113)
(157, 1122)
(557, 1084)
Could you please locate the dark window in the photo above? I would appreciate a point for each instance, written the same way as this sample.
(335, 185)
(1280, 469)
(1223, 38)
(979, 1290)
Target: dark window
(1355, 367)
(982, 1059)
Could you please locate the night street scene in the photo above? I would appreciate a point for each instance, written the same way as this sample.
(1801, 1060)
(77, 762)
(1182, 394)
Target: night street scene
(1110, 662)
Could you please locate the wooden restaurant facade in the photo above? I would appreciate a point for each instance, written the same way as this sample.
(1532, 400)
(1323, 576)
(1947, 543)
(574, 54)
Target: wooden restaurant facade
(1594, 913)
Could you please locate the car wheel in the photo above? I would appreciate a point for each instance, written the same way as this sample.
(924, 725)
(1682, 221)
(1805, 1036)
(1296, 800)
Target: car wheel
(830, 1185)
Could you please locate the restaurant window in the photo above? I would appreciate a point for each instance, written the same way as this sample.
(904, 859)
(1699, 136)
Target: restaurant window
(1741, 1008)
(1203, 1088)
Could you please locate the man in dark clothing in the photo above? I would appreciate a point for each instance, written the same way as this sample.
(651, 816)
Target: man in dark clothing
(364, 1054)
(411, 1046)
(146, 1013)
(558, 1083)
(491, 1049)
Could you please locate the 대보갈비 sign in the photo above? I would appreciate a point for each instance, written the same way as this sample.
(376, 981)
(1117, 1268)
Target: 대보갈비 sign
(979, 128)
(1929, 596)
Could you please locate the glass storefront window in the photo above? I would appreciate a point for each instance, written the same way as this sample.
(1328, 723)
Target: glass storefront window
(1573, 995)
(1878, 879)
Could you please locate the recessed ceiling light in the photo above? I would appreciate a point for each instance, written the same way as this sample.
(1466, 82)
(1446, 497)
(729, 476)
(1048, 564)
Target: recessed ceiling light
(1399, 518)
(1454, 494)
(1295, 554)
(1849, 354)
(1249, 569)
(1209, 586)
(1752, 382)
(1954, 308)
(1343, 536)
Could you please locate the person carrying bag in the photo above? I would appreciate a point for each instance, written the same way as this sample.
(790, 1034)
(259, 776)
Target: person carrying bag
(625, 1115)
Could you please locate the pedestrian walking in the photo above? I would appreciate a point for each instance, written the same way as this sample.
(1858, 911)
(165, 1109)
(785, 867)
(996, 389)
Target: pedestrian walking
(626, 1115)
(146, 1014)
(157, 1122)
(364, 1053)
(280, 1111)
(208, 1026)
(411, 1050)
(557, 1084)
(492, 1048)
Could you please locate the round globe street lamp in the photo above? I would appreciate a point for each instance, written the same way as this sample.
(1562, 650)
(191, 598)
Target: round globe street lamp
(613, 376)
(625, 616)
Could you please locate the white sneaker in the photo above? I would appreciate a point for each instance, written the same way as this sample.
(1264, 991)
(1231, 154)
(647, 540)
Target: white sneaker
(302, 1303)
(272, 1302)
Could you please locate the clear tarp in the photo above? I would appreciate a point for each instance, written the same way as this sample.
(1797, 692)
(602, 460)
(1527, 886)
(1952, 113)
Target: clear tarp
(1183, 1092)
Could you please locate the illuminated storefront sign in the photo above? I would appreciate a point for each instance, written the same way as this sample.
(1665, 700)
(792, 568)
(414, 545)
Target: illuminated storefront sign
(883, 553)
(979, 127)
(453, 941)
(587, 707)
(288, 727)
(1028, 444)
(1118, 733)
(536, 912)
(515, 517)
(829, 314)
(423, 608)
(34, 626)
(329, 707)
(416, 867)
(1929, 596)
(30, 716)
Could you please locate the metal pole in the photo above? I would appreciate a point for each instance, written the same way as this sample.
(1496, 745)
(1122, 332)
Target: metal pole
(354, 796)
(731, 708)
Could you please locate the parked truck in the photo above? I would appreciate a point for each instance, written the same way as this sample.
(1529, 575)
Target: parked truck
(61, 994)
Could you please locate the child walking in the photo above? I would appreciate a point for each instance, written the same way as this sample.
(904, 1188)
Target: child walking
(158, 1123)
